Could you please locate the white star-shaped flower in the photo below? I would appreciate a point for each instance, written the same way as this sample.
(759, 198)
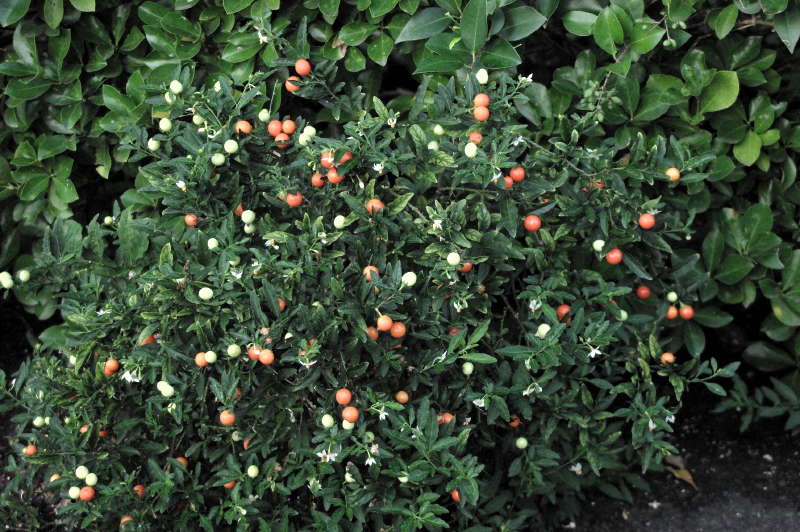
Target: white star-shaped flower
(594, 352)
(534, 305)
(378, 167)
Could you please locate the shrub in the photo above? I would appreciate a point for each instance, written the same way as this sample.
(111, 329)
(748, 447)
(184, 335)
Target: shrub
(489, 357)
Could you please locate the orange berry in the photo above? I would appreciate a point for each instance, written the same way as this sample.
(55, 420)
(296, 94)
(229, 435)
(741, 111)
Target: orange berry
(673, 174)
(139, 489)
(367, 271)
(515, 421)
(302, 67)
(672, 312)
(643, 292)
(294, 199)
(149, 340)
(350, 413)
(253, 351)
(289, 127)
(246, 443)
(183, 461)
(281, 304)
(532, 223)
(84, 429)
(384, 323)
(562, 311)
(445, 417)
(334, 177)
(317, 180)
(29, 450)
(481, 100)
(243, 126)
(475, 138)
(238, 210)
(110, 367)
(125, 519)
(614, 256)
(373, 333)
(229, 485)
(517, 174)
(190, 220)
(266, 357)
(326, 159)
(200, 360)
(667, 358)
(346, 157)
(466, 268)
(455, 495)
(343, 396)
(275, 128)
(87, 493)
(647, 221)
(227, 418)
(686, 312)
(281, 140)
(507, 182)
(401, 397)
(290, 84)
(374, 205)
(398, 329)
(481, 113)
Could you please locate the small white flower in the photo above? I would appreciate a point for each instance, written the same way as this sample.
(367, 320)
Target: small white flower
(261, 38)
(532, 388)
(594, 352)
(324, 456)
(131, 274)
(131, 377)
(378, 167)
(651, 424)
(480, 403)
(517, 141)
(237, 274)
(391, 122)
(571, 525)
(654, 504)
(270, 243)
(437, 225)
(374, 449)
(382, 415)
(101, 312)
(458, 306)
(313, 484)
(576, 468)
(534, 305)
(369, 461)
(670, 419)
(181, 185)
(526, 79)
(360, 184)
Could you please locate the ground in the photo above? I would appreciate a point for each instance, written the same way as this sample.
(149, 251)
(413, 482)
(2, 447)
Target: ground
(746, 482)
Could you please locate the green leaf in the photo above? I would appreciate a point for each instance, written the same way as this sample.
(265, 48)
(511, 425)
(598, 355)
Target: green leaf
(724, 21)
(64, 190)
(521, 21)
(426, 23)
(757, 222)
(354, 61)
(733, 269)
(116, 101)
(50, 145)
(712, 317)
(748, 151)
(53, 12)
(13, 10)
(474, 26)
(579, 22)
(713, 247)
(500, 54)
(355, 33)
(715, 388)
(86, 6)
(607, 31)
(37, 182)
(379, 48)
(438, 64)
(635, 267)
(234, 6)
(787, 26)
(397, 205)
(645, 36)
(480, 358)
(178, 25)
(132, 242)
(240, 48)
(766, 357)
(721, 93)
(378, 8)
(785, 313)
(694, 338)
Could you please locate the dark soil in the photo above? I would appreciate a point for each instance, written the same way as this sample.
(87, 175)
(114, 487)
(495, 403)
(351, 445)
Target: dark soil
(746, 482)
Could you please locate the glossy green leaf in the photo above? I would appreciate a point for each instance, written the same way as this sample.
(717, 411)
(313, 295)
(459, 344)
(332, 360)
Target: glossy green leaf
(234, 6)
(748, 150)
(733, 269)
(645, 37)
(424, 24)
(12, 10)
(721, 93)
(356, 33)
(607, 31)
(53, 12)
(521, 21)
(87, 6)
(724, 21)
(379, 48)
(579, 22)
(474, 25)
(500, 54)
(787, 26)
